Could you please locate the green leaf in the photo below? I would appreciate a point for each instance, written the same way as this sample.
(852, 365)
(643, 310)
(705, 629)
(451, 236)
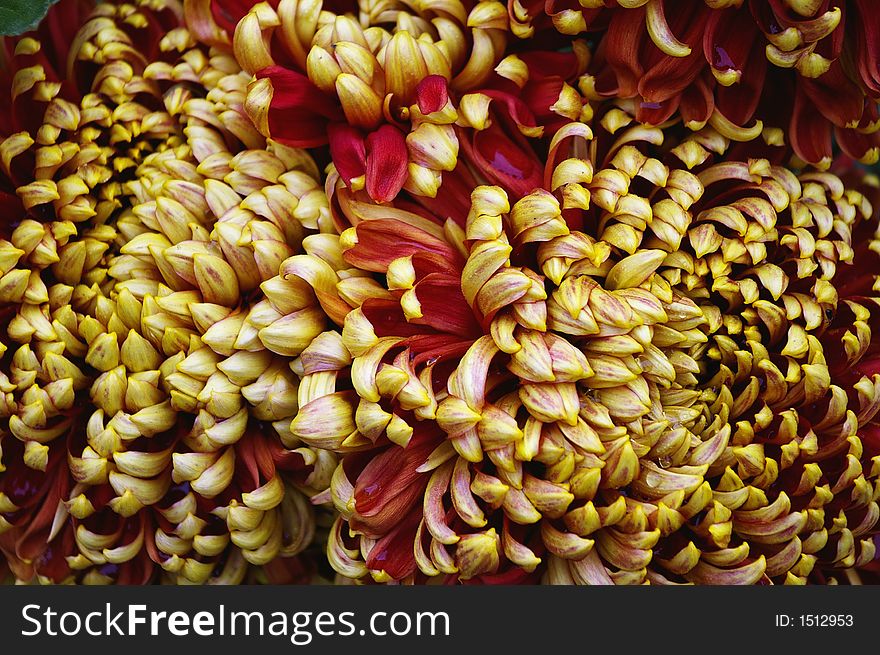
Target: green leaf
(20, 16)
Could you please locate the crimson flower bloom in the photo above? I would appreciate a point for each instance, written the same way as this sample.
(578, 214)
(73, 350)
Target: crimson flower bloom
(348, 75)
(631, 372)
(799, 71)
(597, 305)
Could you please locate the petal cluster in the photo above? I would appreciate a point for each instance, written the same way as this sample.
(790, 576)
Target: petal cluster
(140, 359)
(631, 374)
(456, 292)
(797, 72)
(357, 82)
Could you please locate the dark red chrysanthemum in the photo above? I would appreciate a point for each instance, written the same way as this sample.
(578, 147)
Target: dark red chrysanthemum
(800, 71)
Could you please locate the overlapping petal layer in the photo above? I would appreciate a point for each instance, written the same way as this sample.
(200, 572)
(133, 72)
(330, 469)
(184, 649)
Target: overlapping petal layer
(587, 293)
(798, 71)
(631, 373)
(139, 359)
(379, 82)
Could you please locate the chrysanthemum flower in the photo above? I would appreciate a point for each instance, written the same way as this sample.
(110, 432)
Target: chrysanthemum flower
(799, 70)
(656, 364)
(380, 82)
(143, 216)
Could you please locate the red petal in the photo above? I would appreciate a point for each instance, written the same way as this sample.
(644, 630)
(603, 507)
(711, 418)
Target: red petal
(810, 132)
(739, 102)
(388, 320)
(539, 95)
(381, 241)
(454, 198)
(227, 13)
(387, 160)
(606, 80)
(732, 42)
(835, 96)
(867, 43)
(697, 101)
(543, 64)
(299, 112)
(426, 263)
(855, 143)
(348, 150)
(389, 486)
(654, 113)
(32, 543)
(513, 107)
(667, 76)
(443, 306)
(432, 93)
(435, 348)
(52, 563)
(257, 464)
(626, 33)
(729, 39)
(775, 104)
(62, 22)
(500, 152)
(503, 161)
(393, 553)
